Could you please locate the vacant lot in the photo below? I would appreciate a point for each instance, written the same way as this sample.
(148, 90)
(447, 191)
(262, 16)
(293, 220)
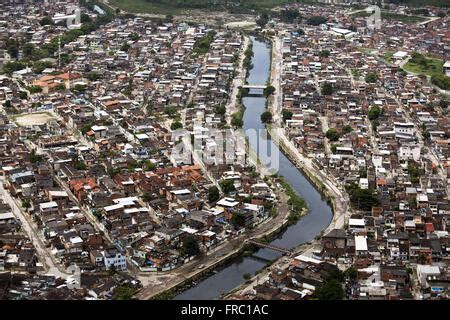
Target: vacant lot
(32, 119)
(241, 24)
(429, 66)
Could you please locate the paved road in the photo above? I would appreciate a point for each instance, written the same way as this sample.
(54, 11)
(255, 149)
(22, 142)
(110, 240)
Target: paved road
(276, 102)
(45, 256)
(278, 134)
(232, 105)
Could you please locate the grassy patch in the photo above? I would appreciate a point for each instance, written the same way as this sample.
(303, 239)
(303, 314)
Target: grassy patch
(427, 66)
(297, 203)
(388, 56)
(402, 17)
(366, 50)
(144, 6)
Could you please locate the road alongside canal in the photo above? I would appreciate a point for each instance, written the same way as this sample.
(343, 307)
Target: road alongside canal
(318, 218)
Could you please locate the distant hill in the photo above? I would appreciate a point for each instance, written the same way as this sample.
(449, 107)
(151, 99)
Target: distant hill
(437, 3)
(176, 6)
(233, 6)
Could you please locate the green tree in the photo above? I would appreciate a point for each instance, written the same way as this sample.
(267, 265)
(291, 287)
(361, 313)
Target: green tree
(40, 66)
(201, 46)
(327, 89)
(324, 53)
(362, 199)
(85, 18)
(7, 104)
(85, 128)
(79, 88)
(330, 290)
(227, 186)
(266, 117)
(441, 80)
(213, 194)
(190, 246)
(286, 114)
(363, 172)
(237, 119)
(12, 66)
(170, 111)
(134, 36)
(347, 129)
(375, 124)
(176, 125)
(45, 21)
(23, 95)
(332, 134)
(262, 20)
(414, 172)
(28, 50)
(316, 20)
(93, 76)
(238, 220)
(124, 293)
(149, 166)
(79, 165)
(26, 203)
(334, 148)
(125, 47)
(60, 87)
(35, 158)
(374, 113)
(220, 110)
(269, 90)
(351, 273)
(146, 196)
(371, 77)
(422, 259)
(289, 15)
(112, 270)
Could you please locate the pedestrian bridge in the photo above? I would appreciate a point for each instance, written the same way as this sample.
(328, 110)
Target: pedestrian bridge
(254, 86)
(270, 246)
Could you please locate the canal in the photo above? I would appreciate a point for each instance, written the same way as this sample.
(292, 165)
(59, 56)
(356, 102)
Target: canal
(305, 230)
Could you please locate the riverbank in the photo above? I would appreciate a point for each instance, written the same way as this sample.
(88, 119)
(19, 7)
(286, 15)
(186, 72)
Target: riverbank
(323, 184)
(304, 231)
(335, 198)
(184, 276)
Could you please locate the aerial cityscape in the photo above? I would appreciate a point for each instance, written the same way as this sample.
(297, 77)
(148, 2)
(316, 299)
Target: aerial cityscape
(224, 150)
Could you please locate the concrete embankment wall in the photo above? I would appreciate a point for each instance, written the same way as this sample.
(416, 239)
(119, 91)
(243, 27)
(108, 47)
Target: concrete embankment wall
(320, 187)
(225, 261)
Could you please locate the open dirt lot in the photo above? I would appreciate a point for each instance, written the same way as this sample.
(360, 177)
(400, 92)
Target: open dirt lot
(241, 24)
(33, 119)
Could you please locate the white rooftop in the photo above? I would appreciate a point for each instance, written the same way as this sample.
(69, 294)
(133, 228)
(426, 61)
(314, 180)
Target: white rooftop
(356, 222)
(227, 202)
(360, 243)
(307, 259)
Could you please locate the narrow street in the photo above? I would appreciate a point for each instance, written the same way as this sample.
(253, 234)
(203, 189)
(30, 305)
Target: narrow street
(238, 81)
(45, 256)
(278, 134)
